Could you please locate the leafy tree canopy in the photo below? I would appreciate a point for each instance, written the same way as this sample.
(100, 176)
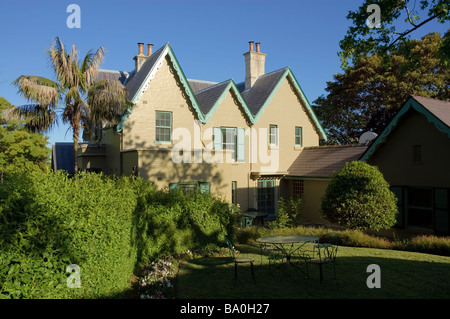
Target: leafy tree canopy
(365, 38)
(368, 94)
(20, 149)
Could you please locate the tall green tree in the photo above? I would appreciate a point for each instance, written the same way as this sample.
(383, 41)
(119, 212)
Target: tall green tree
(20, 149)
(367, 95)
(85, 102)
(398, 21)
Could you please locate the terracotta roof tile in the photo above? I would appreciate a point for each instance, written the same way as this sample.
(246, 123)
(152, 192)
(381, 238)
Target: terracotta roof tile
(322, 161)
(439, 108)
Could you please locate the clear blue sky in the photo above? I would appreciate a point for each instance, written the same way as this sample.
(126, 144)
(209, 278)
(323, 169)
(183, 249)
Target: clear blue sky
(208, 37)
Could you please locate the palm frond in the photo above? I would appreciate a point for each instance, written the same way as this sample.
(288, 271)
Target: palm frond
(107, 100)
(61, 63)
(91, 64)
(37, 117)
(38, 89)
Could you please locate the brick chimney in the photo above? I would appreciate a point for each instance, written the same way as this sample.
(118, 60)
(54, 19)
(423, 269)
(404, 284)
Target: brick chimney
(254, 64)
(140, 58)
(150, 49)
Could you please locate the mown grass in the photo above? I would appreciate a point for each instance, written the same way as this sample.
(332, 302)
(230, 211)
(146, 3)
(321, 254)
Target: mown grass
(404, 274)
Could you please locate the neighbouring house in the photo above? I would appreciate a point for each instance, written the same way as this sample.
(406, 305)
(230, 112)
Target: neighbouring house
(236, 140)
(62, 157)
(413, 153)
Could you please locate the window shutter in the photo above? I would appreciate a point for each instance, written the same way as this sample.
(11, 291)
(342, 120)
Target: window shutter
(205, 187)
(173, 186)
(240, 145)
(217, 132)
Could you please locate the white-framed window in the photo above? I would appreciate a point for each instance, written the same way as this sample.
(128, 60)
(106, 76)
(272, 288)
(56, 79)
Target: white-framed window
(298, 136)
(230, 138)
(273, 134)
(163, 127)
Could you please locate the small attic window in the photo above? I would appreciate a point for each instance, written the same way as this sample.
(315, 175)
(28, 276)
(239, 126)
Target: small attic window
(417, 154)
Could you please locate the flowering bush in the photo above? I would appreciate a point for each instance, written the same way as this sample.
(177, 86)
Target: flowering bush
(157, 281)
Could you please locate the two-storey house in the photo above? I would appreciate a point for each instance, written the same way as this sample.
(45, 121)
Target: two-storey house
(236, 140)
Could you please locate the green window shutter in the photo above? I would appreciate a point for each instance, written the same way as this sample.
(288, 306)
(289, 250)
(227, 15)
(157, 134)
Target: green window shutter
(241, 145)
(205, 187)
(217, 137)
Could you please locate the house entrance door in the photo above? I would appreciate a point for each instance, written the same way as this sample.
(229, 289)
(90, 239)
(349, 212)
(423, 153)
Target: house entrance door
(266, 196)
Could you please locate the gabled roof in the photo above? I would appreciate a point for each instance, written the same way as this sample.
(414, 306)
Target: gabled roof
(436, 111)
(258, 94)
(208, 95)
(138, 82)
(103, 74)
(210, 98)
(440, 109)
(265, 87)
(323, 161)
(198, 85)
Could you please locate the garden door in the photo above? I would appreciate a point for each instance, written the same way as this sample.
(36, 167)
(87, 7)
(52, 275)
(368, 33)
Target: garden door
(266, 196)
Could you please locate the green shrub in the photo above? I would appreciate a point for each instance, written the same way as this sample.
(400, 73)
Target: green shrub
(290, 212)
(174, 222)
(50, 221)
(107, 226)
(358, 197)
(427, 244)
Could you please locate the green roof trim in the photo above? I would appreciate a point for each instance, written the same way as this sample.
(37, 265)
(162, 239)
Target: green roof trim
(125, 116)
(186, 85)
(411, 103)
(204, 118)
(299, 90)
(231, 86)
(187, 88)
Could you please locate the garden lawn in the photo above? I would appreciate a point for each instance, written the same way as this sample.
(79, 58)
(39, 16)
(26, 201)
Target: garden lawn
(404, 275)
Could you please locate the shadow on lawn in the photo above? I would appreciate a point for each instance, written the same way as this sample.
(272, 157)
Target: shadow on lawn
(213, 277)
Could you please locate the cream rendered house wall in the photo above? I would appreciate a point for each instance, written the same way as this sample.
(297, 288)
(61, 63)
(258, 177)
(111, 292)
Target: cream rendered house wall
(286, 111)
(162, 162)
(164, 93)
(229, 113)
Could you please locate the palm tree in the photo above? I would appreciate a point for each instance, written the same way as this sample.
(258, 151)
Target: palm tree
(87, 103)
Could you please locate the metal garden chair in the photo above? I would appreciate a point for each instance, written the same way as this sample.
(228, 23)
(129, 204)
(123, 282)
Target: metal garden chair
(239, 260)
(246, 221)
(322, 254)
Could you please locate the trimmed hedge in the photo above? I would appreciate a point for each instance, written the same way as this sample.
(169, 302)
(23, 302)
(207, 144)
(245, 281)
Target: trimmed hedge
(107, 226)
(358, 197)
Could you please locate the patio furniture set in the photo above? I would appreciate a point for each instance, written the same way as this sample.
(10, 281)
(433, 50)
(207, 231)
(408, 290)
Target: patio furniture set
(292, 250)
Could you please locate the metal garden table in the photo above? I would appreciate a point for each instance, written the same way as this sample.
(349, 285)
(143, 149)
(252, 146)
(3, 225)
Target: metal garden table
(288, 244)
